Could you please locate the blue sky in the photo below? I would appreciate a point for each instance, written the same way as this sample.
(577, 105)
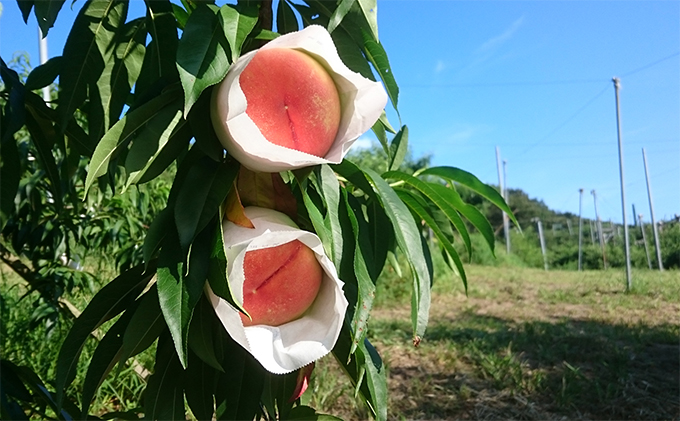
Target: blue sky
(534, 79)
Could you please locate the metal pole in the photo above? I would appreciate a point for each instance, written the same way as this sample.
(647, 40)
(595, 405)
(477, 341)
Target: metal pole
(506, 218)
(592, 231)
(629, 279)
(502, 189)
(600, 234)
(651, 211)
(580, 231)
(540, 236)
(644, 241)
(42, 47)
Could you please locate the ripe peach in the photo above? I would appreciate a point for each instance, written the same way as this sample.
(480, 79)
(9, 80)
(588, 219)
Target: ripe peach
(292, 99)
(280, 283)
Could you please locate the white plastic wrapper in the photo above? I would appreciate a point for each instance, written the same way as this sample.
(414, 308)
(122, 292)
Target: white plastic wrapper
(362, 102)
(290, 346)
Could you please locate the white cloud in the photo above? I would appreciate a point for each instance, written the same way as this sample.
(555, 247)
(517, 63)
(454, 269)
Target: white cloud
(439, 67)
(495, 42)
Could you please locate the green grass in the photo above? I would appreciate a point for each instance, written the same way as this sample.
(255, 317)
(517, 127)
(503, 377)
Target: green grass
(525, 343)
(33, 345)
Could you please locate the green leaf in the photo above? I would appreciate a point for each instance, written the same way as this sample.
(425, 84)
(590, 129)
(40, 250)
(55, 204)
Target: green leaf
(199, 386)
(330, 192)
(398, 149)
(442, 202)
(201, 340)
(44, 136)
(202, 128)
(285, 18)
(376, 54)
(468, 211)
(173, 149)
(305, 413)
(237, 23)
(422, 213)
(10, 175)
(103, 360)
(241, 384)
(374, 390)
(46, 13)
(200, 195)
(163, 397)
(473, 183)
(45, 74)
(15, 110)
(146, 325)
(25, 6)
(380, 133)
(181, 15)
(365, 285)
(201, 54)
(351, 53)
(409, 241)
(339, 14)
(86, 50)
(123, 131)
(179, 291)
(162, 26)
(217, 270)
(157, 232)
(112, 299)
(317, 220)
(159, 68)
(122, 70)
(369, 9)
(150, 142)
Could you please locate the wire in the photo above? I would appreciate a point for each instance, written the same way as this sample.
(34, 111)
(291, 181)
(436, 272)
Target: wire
(647, 66)
(504, 84)
(565, 122)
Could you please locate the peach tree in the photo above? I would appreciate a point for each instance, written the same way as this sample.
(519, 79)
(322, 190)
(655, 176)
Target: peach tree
(266, 254)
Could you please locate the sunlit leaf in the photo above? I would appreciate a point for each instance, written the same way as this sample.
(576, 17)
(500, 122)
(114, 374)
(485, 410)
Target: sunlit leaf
(201, 54)
(237, 23)
(473, 183)
(398, 149)
(123, 131)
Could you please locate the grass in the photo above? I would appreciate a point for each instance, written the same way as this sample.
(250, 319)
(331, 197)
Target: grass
(523, 343)
(34, 346)
(527, 344)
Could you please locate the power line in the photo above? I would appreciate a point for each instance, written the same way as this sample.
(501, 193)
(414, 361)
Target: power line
(565, 122)
(647, 66)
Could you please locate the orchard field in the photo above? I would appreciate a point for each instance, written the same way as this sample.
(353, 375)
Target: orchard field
(523, 344)
(528, 344)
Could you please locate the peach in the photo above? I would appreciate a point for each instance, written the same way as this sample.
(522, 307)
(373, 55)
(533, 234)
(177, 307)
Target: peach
(280, 283)
(292, 100)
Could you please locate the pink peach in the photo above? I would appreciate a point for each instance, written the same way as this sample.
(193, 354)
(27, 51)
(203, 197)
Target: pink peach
(292, 100)
(280, 283)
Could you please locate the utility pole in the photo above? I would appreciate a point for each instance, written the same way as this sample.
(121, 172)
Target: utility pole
(592, 231)
(600, 234)
(42, 48)
(644, 240)
(540, 237)
(629, 279)
(651, 211)
(502, 190)
(580, 230)
(506, 196)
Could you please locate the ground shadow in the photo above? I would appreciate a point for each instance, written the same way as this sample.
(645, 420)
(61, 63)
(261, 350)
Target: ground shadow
(539, 370)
